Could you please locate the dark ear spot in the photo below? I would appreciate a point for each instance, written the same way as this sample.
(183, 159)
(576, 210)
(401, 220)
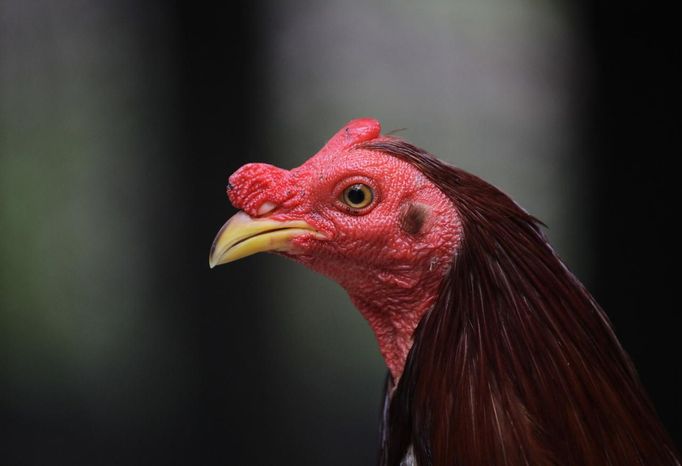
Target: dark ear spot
(412, 217)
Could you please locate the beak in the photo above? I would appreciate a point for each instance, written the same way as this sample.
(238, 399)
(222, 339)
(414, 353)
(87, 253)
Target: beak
(242, 236)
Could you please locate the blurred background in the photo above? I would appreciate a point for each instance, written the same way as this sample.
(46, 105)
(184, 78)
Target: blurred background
(120, 122)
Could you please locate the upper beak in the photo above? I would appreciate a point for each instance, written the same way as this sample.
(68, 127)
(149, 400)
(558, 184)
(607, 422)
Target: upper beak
(242, 236)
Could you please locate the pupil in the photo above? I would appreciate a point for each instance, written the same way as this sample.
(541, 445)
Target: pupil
(356, 195)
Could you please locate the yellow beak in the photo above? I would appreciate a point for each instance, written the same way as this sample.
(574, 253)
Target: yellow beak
(242, 236)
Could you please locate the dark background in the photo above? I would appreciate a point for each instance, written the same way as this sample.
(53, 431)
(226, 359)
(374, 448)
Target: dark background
(120, 123)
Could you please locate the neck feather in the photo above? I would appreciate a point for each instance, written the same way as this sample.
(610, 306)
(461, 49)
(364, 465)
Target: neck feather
(515, 363)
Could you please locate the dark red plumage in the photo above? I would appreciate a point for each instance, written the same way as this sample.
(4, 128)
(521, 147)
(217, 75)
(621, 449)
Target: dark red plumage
(516, 363)
(497, 354)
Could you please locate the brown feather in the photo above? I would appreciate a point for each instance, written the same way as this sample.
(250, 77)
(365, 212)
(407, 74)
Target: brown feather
(515, 363)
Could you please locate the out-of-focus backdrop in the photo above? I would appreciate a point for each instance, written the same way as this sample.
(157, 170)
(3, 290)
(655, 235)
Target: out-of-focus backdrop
(121, 120)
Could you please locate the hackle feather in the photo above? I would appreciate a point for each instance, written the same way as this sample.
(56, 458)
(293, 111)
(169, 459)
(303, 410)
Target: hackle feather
(516, 363)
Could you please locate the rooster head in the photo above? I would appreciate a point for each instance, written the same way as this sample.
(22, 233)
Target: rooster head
(368, 220)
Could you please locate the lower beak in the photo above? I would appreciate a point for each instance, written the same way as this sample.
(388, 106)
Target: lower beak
(242, 236)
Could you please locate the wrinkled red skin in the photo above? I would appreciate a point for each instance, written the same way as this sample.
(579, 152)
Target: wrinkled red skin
(391, 275)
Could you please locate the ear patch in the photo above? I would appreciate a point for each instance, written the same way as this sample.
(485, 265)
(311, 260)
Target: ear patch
(412, 218)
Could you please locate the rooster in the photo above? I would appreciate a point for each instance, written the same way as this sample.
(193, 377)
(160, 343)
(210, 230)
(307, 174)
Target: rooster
(496, 353)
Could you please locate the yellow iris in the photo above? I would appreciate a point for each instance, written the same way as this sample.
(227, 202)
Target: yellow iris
(358, 196)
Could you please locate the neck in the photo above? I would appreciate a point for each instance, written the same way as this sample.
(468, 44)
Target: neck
(515, 363)
(393, 306)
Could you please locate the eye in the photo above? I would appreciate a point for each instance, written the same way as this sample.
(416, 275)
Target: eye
(357, 196)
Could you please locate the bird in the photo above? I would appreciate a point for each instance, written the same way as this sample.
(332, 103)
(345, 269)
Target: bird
(496, 353)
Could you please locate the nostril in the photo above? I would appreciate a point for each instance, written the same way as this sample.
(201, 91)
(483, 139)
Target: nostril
(265, 208)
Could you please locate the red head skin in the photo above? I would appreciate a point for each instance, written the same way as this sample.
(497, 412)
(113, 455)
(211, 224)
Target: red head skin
(390, 256)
